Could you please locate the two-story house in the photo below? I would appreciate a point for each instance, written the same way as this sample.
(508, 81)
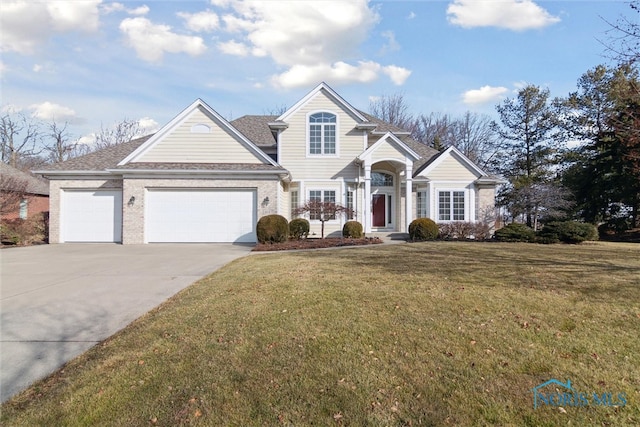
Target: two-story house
(202, 178)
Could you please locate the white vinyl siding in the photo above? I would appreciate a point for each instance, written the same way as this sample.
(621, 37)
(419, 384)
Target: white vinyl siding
(192, 143)
(451, 169)
(293, 151)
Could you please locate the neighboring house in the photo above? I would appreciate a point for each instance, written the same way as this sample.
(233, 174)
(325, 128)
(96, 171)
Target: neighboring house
(21, 195)
(204, 179)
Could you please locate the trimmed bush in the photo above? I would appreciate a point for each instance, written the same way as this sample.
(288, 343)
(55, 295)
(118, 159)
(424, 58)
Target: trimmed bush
(422, 229)
(572, 232)
(352, 229)
(299, 228)
(515, 232)
(272, 229)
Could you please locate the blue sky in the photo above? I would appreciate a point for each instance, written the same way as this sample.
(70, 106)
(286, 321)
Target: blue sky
(93, 63)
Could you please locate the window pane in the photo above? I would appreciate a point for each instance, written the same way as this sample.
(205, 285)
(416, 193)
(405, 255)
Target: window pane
(294, 203)
(422, 204)
(322, 118)
(458, 205)
(315, 139)
(315, 196)
(351, 212)
(444, 206)
(330, 139)
(23, 208)
(380, 179)
(330, 197)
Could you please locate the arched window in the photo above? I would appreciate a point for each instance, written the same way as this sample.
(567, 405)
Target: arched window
(381, 179)
(322, 133)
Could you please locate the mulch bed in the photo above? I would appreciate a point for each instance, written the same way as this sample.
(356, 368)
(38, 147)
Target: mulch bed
(329, 242)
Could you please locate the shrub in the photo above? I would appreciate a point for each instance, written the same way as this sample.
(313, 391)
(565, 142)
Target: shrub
(515, 232)
(299, 228)
(423, 229)
(27, 231)
(464, 230)
(352, 229)
(272, 229)
(614, 226)
(568, 232)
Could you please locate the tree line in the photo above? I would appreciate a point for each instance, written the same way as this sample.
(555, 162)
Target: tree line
(27, 143)
(572, 157)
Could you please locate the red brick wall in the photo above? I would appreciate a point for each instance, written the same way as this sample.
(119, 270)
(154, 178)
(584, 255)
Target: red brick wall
(36, 205)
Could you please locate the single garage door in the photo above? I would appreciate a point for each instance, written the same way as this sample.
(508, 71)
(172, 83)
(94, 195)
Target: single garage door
(91, 216)
(200, 215)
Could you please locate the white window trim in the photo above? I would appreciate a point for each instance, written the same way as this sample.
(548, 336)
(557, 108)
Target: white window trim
(308, 136)
(436, 201)
(322, 190)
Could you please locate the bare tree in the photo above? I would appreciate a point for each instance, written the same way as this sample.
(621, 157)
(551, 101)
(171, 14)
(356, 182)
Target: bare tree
(124, 131)
(393, 109)
(12, 192)
(624, 36)
(322, 211)
(19, 137)
(436, 130)
(475, 138)
(61, 146)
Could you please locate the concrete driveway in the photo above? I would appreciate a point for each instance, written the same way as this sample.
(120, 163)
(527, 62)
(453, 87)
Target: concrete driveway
(56, 301)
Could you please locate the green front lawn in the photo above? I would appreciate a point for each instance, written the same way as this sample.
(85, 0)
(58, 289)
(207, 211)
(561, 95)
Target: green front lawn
(442, 333)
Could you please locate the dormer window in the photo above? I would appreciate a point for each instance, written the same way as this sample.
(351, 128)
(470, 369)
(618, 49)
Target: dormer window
(322, 134)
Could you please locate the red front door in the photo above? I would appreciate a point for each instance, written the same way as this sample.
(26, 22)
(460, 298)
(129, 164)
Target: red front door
(379, 210)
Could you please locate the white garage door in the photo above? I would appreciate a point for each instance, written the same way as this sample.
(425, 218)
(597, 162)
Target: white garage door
(200, 216)
(91, 216)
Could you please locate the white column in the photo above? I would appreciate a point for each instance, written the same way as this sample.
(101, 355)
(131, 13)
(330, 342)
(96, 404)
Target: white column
(367, 197)
(409, 196)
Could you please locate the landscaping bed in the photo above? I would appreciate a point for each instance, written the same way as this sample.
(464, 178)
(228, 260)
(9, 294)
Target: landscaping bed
(329, 242)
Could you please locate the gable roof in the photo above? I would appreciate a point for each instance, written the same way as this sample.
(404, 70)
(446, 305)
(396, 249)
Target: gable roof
(180, 118)
(393, 140)
(434, 161)
(12, 176)
(256, 128)
(331, 94)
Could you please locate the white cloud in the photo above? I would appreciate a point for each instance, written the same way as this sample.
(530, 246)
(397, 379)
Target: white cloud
(148, 125)
(74, 15)
(515, 15)
(398, 75)
(391, 45)
(412, 15)
(201, 22)
(232, 47)
(119, 7)
(151, 41)
(49, 111)
(313, 40)
(484, 95)
(338, 73)
(139, 11)
(27, 24)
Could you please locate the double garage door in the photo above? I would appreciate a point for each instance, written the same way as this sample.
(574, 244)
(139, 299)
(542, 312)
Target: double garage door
(189, 215)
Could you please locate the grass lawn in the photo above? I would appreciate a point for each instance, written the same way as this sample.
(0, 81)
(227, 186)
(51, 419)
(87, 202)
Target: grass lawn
(442, 333)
